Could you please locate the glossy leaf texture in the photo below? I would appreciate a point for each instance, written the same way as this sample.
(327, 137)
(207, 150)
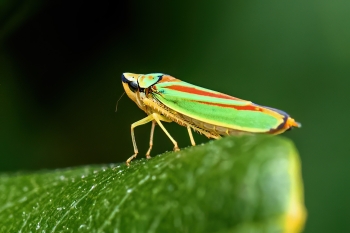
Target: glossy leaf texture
(236, 184)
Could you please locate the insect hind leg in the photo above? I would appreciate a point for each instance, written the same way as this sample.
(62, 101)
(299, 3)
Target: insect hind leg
(191, 136)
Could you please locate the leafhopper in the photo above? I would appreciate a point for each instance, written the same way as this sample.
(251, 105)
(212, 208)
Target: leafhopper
(211, 113)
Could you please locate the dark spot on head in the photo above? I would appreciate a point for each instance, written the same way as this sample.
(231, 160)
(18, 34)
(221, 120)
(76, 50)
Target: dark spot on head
(124, 80)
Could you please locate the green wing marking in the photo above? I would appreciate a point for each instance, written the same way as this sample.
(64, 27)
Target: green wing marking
(215, 108)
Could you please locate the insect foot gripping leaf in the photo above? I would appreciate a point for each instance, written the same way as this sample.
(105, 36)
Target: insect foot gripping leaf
(238, 184)
(214, 114)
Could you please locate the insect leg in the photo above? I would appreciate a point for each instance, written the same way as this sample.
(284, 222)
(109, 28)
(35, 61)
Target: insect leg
(158, 118)
(137, 123)
(191, 136)
(151, 140)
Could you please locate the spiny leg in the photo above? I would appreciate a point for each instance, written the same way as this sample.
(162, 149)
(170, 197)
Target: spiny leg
(151, 140)
(137, 123)
(191, 136)
(158, 118)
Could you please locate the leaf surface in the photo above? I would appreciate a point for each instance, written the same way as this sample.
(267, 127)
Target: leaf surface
(236, 184)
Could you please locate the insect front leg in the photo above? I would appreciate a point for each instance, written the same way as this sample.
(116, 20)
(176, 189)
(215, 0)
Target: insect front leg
(137, 123)
(148, 156)
(159, 118)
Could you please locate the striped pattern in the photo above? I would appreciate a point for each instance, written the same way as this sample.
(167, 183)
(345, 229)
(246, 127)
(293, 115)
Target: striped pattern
(220, 109)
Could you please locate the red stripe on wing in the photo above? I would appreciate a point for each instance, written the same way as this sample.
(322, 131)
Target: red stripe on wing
(246, 107)
(193, 90)
(278, 129)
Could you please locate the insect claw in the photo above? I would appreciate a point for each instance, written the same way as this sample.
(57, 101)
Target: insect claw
(176, 148)
(129, 160)
(148, 156)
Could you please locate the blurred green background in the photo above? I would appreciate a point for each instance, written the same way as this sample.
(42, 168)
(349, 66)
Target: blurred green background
(60, 67)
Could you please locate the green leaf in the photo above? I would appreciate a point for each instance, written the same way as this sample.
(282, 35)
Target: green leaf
(236, 184)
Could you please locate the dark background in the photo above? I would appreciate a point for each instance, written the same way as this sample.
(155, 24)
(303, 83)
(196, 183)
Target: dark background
(60, 67)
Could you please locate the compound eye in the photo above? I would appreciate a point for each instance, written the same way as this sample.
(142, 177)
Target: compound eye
(133, 86)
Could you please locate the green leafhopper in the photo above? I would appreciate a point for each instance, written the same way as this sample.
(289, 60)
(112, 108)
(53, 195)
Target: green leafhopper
(213, 114)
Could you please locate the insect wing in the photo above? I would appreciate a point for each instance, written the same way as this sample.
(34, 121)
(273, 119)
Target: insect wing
(217, 108)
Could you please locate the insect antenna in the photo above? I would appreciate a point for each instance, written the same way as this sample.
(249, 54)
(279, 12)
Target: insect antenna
(116, 106)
